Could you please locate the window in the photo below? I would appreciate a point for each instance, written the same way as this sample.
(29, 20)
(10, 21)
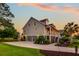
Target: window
(29, 24)
(36, 28)
(34, 23)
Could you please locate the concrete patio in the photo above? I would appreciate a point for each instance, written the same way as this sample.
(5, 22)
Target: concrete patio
(50, 47)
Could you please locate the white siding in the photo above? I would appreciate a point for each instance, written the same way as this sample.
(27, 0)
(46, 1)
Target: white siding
(34, 28)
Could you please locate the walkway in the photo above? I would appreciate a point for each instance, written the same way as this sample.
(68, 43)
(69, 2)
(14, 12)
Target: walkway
(49, 47)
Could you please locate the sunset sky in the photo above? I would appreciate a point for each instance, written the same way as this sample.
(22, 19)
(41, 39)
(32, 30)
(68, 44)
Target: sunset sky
(57, 13)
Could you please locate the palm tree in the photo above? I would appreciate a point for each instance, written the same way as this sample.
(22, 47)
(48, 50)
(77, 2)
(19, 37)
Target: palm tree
(70, 29)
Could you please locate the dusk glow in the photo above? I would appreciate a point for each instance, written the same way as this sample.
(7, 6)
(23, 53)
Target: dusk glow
(58, 14)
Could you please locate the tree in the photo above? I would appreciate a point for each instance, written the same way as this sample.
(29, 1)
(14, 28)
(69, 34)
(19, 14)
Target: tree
(9, 32)
(5, 23)
(5, 10)
(5, 15)
(70, 29)
(6, 20)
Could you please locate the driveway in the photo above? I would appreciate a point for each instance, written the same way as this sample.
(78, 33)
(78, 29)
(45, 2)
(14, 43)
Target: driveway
(50, 47)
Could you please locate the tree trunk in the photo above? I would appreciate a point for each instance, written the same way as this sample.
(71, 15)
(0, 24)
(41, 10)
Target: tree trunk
(71, 39)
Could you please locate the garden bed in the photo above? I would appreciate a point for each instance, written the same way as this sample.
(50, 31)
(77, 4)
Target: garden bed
(7, 40)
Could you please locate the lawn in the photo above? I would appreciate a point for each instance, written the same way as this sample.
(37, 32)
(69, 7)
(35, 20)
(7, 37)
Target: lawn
(9, 50)
(73, 45)
(76, 43)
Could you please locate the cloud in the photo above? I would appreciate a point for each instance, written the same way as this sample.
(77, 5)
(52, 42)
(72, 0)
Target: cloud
(71, 10)
(40, 6)
(65, 8)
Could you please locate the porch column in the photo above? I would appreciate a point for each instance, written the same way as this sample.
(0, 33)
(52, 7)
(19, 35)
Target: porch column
(50, 34)
(58, 38)
(32, 37)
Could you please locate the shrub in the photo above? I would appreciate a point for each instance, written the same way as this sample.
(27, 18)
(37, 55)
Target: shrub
(64, 41)
(42, 40)
(7, 40)
(9, 32)
(76, 37)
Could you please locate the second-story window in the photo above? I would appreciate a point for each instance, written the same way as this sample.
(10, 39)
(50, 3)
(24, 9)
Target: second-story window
(34, 23)
(29, 24)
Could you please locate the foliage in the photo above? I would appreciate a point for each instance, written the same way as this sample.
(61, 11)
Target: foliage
(9, 32)
(5, 15)
(42, 40)
(64, 39)
(76, 37)
(71, 28)
(5, 10)
(6, 21)
(68, 32)
(75, 43)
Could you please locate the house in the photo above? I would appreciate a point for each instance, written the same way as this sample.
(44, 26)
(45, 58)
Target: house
(34, 28)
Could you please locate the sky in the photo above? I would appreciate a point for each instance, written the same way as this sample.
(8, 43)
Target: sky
(57, 13)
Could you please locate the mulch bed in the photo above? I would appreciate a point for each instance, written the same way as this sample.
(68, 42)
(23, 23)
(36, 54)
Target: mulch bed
(57, 53)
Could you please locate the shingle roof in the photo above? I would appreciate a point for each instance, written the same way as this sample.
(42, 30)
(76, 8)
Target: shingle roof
(46, 25)
(32, 18)
(44, 20)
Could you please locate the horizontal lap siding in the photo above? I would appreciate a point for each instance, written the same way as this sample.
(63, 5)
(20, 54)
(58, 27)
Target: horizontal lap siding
(31, 38)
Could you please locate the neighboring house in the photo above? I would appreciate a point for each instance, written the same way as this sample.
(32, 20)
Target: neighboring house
(34, 28)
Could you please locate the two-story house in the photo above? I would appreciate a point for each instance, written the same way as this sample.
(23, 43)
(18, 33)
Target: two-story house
(34, 28)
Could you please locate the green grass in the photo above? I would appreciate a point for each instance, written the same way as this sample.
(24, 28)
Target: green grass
(73, 45)
(9, 50)
(76, 43)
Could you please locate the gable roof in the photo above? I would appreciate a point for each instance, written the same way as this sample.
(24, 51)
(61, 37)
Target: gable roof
(44, 20)
(48, 25)
(35, 20)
